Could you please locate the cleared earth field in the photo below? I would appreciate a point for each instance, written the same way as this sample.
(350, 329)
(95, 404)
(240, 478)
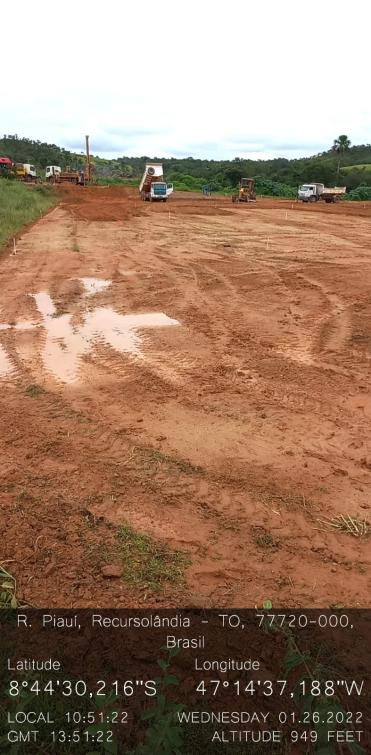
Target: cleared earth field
(197, 373)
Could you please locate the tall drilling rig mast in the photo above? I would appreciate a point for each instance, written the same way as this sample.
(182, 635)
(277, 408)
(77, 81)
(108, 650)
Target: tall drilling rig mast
(88, 165)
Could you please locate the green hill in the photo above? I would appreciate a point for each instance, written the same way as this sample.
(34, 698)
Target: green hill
(347, 168)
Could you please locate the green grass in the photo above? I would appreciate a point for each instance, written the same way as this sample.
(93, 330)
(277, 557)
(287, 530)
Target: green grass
(149, 563)
(365, 166)
(21, 204)
(7, 589)
(114, 181)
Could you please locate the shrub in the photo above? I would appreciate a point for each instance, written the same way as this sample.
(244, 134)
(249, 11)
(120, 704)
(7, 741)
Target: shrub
(266, 187)
(361, 193)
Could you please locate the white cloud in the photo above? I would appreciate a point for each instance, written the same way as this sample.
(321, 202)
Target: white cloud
(204, 78)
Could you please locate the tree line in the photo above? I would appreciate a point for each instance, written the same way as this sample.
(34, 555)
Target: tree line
(342, 164)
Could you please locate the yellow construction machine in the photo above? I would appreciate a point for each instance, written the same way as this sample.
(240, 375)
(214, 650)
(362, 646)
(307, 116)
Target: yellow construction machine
(246, 191)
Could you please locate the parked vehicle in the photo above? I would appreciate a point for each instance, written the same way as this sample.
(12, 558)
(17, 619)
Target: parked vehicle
(54, 174)
(246, 191)
(5, 163)
(315, 192)
(152, 186)
(25, 172)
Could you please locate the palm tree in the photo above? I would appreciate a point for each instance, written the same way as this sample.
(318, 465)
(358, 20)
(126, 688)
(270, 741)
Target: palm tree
(340, 146)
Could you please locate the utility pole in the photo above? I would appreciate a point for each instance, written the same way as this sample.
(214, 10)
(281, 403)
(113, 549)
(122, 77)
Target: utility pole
(88, 167)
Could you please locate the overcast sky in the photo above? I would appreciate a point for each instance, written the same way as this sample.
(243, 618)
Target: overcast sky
(200, 77)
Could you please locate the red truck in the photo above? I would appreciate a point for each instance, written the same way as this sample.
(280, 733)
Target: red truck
(5, 164)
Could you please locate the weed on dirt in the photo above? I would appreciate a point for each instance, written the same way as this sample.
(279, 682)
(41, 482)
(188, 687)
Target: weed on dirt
(7, 589)
(90, 519)
(263, 538)
(23, 497)
(149, 563)
(59, 312)
(34, 390)
(151, 457)
(350, 525)
(290, 501)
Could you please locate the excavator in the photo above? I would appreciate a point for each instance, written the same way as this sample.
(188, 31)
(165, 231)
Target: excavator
(246, 191)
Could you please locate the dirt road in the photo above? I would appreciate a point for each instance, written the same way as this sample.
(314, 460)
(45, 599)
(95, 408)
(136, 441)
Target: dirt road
(200, 372)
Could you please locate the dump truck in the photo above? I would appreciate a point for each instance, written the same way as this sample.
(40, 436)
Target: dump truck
(316, 192)
(25, 172)
(246, 191)
(152, 187)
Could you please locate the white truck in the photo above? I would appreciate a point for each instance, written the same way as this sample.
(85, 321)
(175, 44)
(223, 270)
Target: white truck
(152, 187)
(316, 192)
(52, 172)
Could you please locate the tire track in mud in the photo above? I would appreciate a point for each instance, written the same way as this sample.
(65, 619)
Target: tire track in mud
(331, 331)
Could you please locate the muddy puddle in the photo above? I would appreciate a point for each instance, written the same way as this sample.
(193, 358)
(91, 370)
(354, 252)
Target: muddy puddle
(66, 343)
(94, 285)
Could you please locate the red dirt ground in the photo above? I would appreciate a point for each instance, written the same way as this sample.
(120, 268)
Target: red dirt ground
(233, 436)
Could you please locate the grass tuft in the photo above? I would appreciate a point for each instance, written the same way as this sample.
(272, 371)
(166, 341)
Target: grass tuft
(149, 563)
(34, 390)
(7, 589)
(59, 312)
(263, 538)
(350, 525)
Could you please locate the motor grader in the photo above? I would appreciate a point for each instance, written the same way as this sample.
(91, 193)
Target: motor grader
(246, 191)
